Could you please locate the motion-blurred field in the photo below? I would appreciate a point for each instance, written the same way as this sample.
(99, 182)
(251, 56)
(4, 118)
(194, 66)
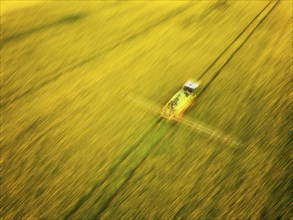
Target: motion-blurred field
(73, 147)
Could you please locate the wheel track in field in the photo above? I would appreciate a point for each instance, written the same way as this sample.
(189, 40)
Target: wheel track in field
(165, 135)
(157, 144)
(226, 49)
(217, 73)
(151, 129)
(169, 15)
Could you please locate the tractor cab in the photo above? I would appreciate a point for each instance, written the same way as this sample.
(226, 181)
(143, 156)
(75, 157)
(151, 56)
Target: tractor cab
(190, 87)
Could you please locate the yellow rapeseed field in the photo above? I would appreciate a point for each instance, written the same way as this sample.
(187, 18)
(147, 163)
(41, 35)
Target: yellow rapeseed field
(74, 147)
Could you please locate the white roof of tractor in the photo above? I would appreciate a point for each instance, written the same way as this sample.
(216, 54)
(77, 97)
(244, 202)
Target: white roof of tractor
(191, 84)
